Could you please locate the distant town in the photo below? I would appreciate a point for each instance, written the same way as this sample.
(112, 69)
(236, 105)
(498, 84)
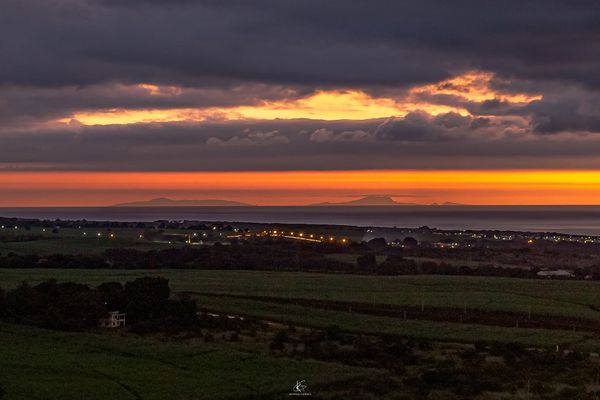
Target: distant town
(388, 250)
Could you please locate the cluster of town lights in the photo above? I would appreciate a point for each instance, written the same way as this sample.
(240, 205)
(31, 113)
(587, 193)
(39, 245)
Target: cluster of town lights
(290, 235)
(303, 236)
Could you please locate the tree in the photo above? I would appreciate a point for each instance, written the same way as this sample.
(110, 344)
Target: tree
(366, 261)
(112, 295)
(410, 242)
(146, 296)
(377, 244)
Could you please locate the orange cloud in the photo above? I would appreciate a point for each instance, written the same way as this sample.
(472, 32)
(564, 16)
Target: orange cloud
(474, 86)
(324, 105)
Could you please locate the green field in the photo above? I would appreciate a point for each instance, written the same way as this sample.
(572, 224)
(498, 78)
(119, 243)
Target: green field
(78, 241)
(564, 298)
(41, 364)
(362, 323)
(96, 240)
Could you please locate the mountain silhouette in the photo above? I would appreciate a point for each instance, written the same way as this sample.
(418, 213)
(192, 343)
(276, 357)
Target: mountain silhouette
(368, 201)
(165, 202)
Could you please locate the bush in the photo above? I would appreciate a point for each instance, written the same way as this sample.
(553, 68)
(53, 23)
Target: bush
(279, 340)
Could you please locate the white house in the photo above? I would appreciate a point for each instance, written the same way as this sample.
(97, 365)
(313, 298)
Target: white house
(558, 273)
(115, 319)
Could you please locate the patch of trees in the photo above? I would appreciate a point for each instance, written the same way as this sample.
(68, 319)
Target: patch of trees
(398, 265)
(280, 255)
(73, 306)
(265, 255)
(421, 369)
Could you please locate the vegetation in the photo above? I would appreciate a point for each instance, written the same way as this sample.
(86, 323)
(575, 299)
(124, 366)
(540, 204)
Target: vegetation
(75, 306)
(36, 363)
(566, 298)
(417, 320)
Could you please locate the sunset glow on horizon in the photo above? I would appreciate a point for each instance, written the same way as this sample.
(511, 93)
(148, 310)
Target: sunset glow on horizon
(311, 113)
(303, 187)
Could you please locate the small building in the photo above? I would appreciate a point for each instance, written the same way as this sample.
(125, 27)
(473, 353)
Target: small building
(115, 319)
(558, 273)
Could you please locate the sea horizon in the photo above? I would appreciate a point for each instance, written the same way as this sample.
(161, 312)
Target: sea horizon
(571, 219)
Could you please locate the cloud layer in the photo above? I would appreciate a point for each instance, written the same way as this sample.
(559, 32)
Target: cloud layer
(298, 85)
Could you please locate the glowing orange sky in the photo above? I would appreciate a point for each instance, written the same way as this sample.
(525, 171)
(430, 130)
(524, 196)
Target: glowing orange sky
(301, 187)
(305, 187)
(474, 86)
(323, 105)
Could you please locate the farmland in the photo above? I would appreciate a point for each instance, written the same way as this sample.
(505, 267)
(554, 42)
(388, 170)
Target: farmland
(445, 331)
(286, 341)
(36, 363)
(76, 240)
(346, 317)
(566, 298)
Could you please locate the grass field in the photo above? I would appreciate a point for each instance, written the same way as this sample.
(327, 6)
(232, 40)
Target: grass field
(79, 241)
(41, 364)
(445, 331)
(564, 298)
(96, 240)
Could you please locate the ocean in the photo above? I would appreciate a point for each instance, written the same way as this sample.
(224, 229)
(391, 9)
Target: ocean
(583, 220)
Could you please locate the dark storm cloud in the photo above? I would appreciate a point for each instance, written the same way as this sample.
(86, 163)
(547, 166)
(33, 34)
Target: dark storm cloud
(313, 43)
(419, 126)
(62, 56)
(417, 141)
(566, 114)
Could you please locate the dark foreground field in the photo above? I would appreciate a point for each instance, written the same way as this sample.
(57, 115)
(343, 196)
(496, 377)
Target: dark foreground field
(410, 336)
(41, 364)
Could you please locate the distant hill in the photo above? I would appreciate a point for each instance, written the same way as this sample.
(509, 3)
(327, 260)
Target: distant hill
(164, 202)
(368, 201)
(447, 203)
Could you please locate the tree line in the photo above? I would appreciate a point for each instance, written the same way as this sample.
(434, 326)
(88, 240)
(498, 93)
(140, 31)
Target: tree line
(72, 306)
(274, 255)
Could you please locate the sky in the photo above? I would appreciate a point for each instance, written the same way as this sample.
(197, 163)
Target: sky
(299, 102)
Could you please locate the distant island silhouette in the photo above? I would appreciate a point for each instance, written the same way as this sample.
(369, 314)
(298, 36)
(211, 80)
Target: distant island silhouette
(368, 201)
(373, 200)
(165, 202)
